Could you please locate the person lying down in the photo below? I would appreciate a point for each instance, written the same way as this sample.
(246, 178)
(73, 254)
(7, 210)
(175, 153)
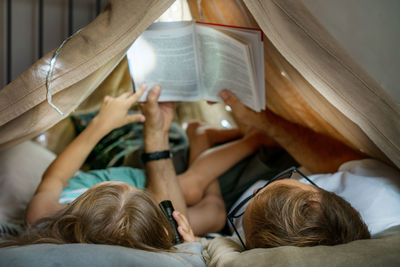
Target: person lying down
(327, 208)
(118, 206)
(123, 212)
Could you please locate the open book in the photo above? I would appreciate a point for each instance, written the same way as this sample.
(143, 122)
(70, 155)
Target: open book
(193, 61)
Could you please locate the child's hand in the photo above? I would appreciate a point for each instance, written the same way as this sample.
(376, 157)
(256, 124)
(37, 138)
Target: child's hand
(184, 227)
(114, 111)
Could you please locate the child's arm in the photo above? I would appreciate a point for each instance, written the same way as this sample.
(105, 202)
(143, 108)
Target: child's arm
(113, 114)
(213, 162)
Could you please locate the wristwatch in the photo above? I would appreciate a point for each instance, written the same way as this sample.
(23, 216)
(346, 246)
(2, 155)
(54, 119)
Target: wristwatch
(166, 154)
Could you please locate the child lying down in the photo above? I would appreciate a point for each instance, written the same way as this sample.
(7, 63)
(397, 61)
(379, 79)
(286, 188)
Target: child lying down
(113, 206)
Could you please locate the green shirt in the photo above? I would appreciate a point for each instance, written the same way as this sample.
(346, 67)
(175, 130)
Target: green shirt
(84, 180)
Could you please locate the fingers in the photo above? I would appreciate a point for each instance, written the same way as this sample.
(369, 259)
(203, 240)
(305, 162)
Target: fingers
(134, 97)
(151, 104)
(107, 98)
(135, 118)
(240, 111)
(229, 98)
(154, 94)
(125, 95)
(184, 227)
(181, 219)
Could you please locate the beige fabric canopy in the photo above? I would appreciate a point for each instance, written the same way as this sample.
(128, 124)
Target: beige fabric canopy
(324, 77)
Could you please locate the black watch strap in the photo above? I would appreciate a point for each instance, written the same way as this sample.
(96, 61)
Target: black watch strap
(166, 154)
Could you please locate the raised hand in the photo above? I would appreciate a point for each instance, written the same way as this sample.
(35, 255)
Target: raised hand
(114, 111)
(243, 115)
(161, 177)
(158, 119)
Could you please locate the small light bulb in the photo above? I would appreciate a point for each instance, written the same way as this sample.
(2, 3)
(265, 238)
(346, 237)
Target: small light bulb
(42, 138)
(225, 124)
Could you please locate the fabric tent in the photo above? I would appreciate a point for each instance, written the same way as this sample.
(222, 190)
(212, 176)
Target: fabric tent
(310, 79)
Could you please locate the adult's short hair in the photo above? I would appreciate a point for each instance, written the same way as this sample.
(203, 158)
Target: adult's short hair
(291, 216)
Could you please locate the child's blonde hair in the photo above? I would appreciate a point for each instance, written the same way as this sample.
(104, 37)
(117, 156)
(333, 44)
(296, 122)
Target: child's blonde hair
(109, 213)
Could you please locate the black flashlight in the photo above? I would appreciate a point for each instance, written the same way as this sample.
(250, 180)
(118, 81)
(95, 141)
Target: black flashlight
(168, 209)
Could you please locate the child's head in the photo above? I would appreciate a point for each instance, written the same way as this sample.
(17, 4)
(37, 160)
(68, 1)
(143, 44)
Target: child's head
(286, 213)
(111, 213)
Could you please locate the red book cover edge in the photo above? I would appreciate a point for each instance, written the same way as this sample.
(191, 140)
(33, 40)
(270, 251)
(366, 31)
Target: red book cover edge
(237, 27)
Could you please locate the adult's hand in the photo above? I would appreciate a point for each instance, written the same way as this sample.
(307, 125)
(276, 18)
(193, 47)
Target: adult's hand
(243, 115)
(158, 120)
(302, 143)
(114, 111)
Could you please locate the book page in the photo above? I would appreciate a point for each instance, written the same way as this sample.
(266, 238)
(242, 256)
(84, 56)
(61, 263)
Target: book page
(225, 63)
(164, 54)
(254, 38)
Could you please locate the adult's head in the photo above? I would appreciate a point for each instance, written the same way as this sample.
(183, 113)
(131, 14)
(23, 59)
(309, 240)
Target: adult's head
(290, 213)
(112, 213)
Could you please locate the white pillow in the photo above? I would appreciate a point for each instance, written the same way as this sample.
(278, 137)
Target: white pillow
(21, 170)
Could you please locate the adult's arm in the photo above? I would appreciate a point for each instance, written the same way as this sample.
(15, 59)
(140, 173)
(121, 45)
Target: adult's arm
(113, 114)
(317, 152)
(161, 178)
